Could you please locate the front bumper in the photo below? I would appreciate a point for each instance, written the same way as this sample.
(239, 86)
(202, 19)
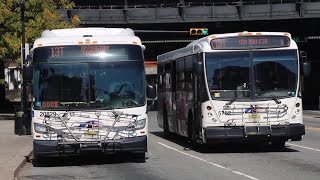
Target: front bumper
(53, 148)
(292, 131)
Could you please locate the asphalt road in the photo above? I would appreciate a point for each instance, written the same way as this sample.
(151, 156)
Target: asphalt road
(173, 159)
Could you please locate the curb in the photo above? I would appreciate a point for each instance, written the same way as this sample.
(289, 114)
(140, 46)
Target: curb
(22, 164)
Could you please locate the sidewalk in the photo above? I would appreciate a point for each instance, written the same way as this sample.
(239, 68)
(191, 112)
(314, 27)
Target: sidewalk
(13, 148)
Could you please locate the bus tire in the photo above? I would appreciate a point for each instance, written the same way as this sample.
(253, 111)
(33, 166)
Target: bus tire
(38, 161)
(166, 131)
(140, 156)
(278, 143)
(296, 138)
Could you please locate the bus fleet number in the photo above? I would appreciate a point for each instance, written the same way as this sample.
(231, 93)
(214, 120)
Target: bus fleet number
(50, 104)
(48, 114)
(220, 113)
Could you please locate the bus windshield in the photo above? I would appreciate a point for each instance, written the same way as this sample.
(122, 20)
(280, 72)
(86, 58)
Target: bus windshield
(260, 75)
(89, 85)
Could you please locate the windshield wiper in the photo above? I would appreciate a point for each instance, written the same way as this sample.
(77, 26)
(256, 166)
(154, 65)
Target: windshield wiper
(232, 100)
(100, 92)
(77, 100)
(273, 97)
(235, 97)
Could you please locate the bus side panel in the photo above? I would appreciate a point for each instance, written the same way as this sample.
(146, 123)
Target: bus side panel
(185, 96)
(160, 90)
(181, 109)
(166, 98)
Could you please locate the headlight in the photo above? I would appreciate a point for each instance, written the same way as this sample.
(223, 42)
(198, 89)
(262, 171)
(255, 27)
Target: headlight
(137, 125)
(43, 129)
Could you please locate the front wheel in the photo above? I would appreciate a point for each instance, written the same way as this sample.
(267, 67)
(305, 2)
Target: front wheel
(141, 156)
(38, 161)
(279, 144)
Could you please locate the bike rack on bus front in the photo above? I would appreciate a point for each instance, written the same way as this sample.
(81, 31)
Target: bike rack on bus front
(80, 130)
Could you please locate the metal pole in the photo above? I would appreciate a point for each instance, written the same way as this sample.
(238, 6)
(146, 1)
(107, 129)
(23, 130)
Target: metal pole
(24, 85)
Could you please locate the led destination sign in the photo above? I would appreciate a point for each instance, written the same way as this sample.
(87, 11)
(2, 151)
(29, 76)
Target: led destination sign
(250, 42)
(81, 52)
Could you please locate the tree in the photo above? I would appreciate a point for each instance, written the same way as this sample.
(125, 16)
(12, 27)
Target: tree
(39, 16)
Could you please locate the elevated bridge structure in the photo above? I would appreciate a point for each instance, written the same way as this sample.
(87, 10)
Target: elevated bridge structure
(163, 25)
(183, 11)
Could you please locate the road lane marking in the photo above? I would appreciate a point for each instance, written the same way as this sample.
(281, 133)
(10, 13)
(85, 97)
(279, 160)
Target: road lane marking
(209, 162)
(313, 149)
(312, 128)
(242, 174)
(309, 116)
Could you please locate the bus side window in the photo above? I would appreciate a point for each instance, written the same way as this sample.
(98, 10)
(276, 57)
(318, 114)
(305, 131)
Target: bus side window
(160, 72)
(180, 74)
(167, 72)
(173, 76)
(188, 73)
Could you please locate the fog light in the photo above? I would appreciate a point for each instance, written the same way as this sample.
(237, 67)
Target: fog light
(293, 117)
(214, 119)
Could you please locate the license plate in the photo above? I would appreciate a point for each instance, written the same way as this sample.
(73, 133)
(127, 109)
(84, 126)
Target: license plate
(254, 117)
(92, 133)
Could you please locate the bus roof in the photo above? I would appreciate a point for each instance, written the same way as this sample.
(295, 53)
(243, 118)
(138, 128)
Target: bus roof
(88, 36)
(203, 44)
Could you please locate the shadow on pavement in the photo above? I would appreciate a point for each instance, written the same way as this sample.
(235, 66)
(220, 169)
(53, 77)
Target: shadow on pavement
(7, 110)
(93, 158)
(231, 147)
(6, 116)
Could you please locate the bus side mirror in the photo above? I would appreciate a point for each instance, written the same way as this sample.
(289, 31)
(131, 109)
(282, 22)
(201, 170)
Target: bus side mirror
(198, 67)
(143, 47)
(306, 66)
(28, 73)
(151, 91)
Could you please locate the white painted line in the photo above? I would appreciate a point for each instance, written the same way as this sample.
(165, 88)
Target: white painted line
(242, 174)
(208, 162)
(313, 149)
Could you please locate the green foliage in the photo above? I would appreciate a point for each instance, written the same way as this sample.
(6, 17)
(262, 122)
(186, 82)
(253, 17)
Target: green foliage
(2, 81)
(39, 16)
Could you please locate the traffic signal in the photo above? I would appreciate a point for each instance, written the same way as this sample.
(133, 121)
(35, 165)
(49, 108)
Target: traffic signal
(199, 31)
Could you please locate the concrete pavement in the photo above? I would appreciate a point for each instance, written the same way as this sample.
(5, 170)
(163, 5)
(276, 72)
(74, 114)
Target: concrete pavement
(315, 113)
(14, 149)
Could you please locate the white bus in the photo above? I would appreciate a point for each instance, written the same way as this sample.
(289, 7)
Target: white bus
(89, 92)
(232, 87)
